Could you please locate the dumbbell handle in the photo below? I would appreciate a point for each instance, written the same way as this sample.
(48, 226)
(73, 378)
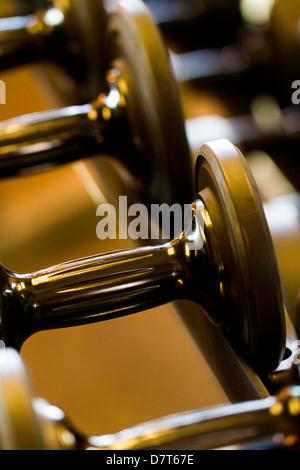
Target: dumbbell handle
(106, 286)
(50, 138)
(88, 290)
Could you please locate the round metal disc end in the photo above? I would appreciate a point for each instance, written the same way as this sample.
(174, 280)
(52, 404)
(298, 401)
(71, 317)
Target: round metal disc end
(243, 255)
(135, 49)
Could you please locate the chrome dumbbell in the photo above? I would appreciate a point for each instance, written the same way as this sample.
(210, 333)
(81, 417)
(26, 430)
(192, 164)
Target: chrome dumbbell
(137, 116)
(224, 261)
(28, 422)
(71, 33)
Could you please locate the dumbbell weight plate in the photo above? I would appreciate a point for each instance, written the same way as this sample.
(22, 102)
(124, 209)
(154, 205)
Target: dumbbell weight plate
(251, 282)
(134, 46)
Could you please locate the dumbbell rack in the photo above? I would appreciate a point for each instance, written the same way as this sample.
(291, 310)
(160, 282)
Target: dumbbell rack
(204, 371)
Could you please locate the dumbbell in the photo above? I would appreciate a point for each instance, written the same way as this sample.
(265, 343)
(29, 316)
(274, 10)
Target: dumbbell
(71, 33)
(28, 422)
(223, 261)
(137, 116)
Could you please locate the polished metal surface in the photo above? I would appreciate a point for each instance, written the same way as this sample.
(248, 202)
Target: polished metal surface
(49, 138)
